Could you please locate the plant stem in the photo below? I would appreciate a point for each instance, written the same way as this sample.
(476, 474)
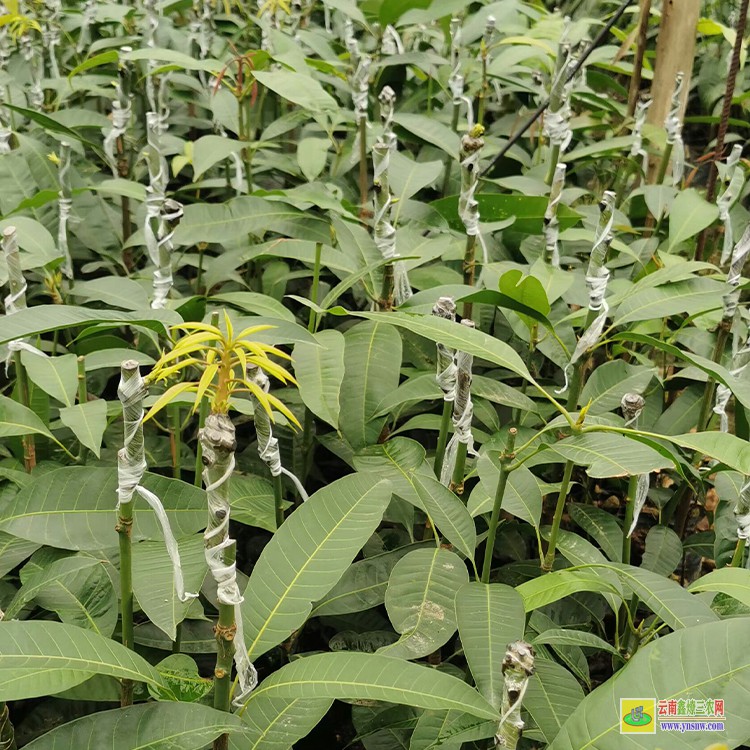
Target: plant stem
(449, 159)
(553, 159)
(27, 441)
(469, 268)
(549, 557)
(663, 165)
(83, 397)
(635, 79)
(312, 321)
(177, 643)
(739, 554)
(445, 422)
(363, 192)
(278, 499)
(7, 734)
(629, 511)
(175, 437)
(457, 480)
(502, 481)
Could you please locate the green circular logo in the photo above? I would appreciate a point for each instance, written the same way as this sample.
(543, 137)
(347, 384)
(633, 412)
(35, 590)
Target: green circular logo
(641, 721)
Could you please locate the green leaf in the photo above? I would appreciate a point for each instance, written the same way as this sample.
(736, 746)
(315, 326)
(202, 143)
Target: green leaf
(430, 728)
(609, 382)
(298, 88)
(726, 448)
(16, 419)
(173, 58)
(88, 421)
(78, 588)
(277, 723)
(38, 248)
(663, 551)
(431, 131)
(689, 297)
(113, 291)
(50, 123)
(40, 652)
(73, 508)
(56, 376)
(372, 364)
(252, 502)
(312, 154)
(148, 726)
(44, 318)
(407, 176)
(456, 336)
(734, 582)
(183, 681)
(354, 676)
(566, 637)
(522, 498)
(320, 372)
(552, 587)
(552, 695)
(420, 601)
(308, 555)
(689, 215)
(364, 583)
(527, 210)
(490, 616)
(610, 455)
(248, 214)
(211, 149)
(14, 551)
(715, 672)
(447, 513)
(153, 583)
(600, 525)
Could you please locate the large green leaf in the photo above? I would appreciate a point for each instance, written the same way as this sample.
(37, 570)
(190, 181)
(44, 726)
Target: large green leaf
(43, 318)
(551, 696)
(522, 497)
(13, 551)
(56, 376)
(456, 336)
(609, 382)
(421, 601)
(690, 213)
(372, 363)
(708, 669)
(610, 455)
(355, 676)
(734, 582)
(277, 723)
(41, 651)
(308, 555)
(364, 583)
(663, 551)
(148, 726)
(248, 214)
(74, 508)
(680, 298)
(87, 421)
(430, 130)
(552, 587)
(600, 525)
(153, 583)
(298, 88)
(528, 211)
(17, 419)
(81, 593)
(726, 448)
(320, 371)
(490, 616)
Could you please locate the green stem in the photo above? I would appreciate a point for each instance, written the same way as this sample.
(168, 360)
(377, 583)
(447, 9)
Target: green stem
(629, 510)
(457, 480)
(445, 423)
(363, 192)
(502, 482)
(469, 268)
(83, 397)
(225, 631)
(739, 554)
(553, 159)
(663, 164)
(278, 500)
(549, 557)
(312, 322)
(449, 160)
(576, 380)
(175, 438)
(177, 643)
(27, 441)
(7, 734)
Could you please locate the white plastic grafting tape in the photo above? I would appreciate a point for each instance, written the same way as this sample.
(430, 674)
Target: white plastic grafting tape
(468, 206)
(632, 405)
(463, 413)
(556, 127)
(30, 55)
(169, 217)
(641, 493)
(131, 465)
(120, 120)
(673, 126)
(739, 257)
(152, 22)
(734, 181)
(447, 371)
(268, 445)
(742, 511)
(218, 442)
(551, 222)
(637, 149)
(597, 278)
(392, 44)
(361, 88)
(87, 21)
(721, 401)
